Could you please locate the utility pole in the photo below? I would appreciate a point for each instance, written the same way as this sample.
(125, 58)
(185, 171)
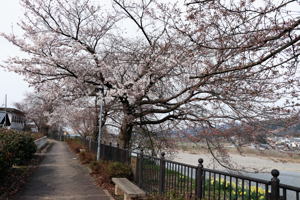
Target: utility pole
(100, 127)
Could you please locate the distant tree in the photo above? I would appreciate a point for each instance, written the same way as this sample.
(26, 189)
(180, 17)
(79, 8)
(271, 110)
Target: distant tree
(37, 109)
(81, 121)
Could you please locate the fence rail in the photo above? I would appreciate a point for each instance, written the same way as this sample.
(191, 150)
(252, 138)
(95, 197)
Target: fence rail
(108, 151)
(161, 176)
(156, 175)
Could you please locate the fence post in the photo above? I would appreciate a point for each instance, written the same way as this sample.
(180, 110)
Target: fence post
(118, 153)
(90, 144)
(128, 156)
(139, 168)
(102, 151)
(111, 152)
(199, 180)
(162, 172)
(275, 185)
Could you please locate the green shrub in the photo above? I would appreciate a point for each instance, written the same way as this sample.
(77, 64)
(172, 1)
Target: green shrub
(6, 159)
(25, 149)
(108, 170)
(119, 170)
(95, 166)
(15, 148)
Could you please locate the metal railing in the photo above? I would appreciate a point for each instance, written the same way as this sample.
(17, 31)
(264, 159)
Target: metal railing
(56, 136)
(108, 151)
(165, 177)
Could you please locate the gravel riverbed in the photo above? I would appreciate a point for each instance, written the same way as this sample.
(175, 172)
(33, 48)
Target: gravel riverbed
(252, 163)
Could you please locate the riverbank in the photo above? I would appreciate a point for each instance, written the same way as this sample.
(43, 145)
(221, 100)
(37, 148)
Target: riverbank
(244, 162)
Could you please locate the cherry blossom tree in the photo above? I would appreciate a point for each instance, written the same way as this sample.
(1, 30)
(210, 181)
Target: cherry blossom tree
(79, 117)
(38, 109)
(211, 63)
(193, 64)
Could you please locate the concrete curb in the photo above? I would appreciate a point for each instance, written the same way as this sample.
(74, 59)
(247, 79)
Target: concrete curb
(108, 194)
(45, 148)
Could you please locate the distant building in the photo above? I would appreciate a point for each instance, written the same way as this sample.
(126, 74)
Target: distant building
(12, 118)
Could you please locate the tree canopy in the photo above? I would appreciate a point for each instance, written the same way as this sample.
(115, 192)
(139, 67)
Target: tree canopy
(162, 66)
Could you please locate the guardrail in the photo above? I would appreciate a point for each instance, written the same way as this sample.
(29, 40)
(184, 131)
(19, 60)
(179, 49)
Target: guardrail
(40, 142)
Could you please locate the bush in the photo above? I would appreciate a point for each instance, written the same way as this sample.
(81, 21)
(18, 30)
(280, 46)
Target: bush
(75, 145)
(108, 170)
(15, 148)
(25, 149)
(119, 170)
(86, 157)
(96, 167)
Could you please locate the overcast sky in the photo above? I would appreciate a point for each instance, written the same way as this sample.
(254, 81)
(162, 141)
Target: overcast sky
(10, 83)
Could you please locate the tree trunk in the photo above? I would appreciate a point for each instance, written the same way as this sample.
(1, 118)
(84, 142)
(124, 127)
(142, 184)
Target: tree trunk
(125, 133)
(44, 129)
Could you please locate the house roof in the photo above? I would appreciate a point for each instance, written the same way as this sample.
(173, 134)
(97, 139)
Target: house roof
(11, 110)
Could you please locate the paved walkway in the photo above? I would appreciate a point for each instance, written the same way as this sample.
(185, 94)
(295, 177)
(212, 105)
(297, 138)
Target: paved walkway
(61, 177)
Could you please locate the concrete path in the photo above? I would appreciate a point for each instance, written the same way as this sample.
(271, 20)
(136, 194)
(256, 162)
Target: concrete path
(61, 177)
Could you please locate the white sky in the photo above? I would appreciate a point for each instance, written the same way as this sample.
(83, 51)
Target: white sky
(10, 83)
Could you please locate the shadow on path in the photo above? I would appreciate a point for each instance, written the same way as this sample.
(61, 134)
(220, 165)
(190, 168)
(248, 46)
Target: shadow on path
(61, 176)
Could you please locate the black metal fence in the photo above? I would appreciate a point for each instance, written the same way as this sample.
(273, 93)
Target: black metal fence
(56, 136)
(108, 151)
(173, 179)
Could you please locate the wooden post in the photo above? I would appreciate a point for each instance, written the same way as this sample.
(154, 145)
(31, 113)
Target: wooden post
(199, 179)
(162, 172)
(275, 185)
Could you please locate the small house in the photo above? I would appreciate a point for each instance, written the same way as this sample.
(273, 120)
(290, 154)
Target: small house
(12, 118)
